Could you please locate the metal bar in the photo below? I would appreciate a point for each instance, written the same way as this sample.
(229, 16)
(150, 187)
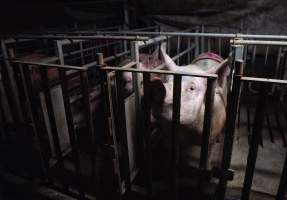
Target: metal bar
(16, 108)
(71, 131)
(33, 112)
(201, 75)
(264, 80)
(197, 50)
(233, 100)
(219, 46)
(282, 134)
(189, 53)
(122, 130)
(269, 126)
(52, 123)
(202, 49)
(207, 125)
(258, 42)
(49, 65)
(281, 193)
(178, 48)
(174, 136)
(254, 143)
(266, 55)
(90, 124)
(75, 37)
(147, 132)
(208, 45)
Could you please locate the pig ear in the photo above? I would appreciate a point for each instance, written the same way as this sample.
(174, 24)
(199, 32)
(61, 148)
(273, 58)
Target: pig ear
(169, 63)
(222, 70)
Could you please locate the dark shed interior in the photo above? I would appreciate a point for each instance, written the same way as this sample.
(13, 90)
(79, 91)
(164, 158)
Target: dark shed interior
(143, 99)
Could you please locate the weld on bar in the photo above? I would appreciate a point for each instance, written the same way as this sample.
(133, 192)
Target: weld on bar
(75, 37)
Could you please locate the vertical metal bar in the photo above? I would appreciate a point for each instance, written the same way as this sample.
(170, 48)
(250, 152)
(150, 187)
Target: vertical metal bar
(147, 133)
(174, 136)
(266, 55)
(253, 55)
(52, 122)
(207, 125)
(255, 141)
(71, 131)
(168, 45)
(189, 53)
(7, 115)
(12, 85)
(89, 121)
(197, 50)
(233, 100)
(178, 48)
(208, 45)
(33, 112)
(202, 40)
(122, 130)
(60, 52)
(281, 193)
(82, 53)
(219, 45)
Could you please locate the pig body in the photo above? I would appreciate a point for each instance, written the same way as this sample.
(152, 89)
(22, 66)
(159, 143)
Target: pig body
(192, 102)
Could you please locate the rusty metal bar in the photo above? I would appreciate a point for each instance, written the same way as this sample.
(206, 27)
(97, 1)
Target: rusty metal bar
(174, 136)
(255, 141)
(207, 125)
(147, 131)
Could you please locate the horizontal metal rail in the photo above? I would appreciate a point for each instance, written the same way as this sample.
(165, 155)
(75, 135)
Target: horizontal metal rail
(75, 37)
(259, 42)
(264, 80)
(201, 75)
(50, 65)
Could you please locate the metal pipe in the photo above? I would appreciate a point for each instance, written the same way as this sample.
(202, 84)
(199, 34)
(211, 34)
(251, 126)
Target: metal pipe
(207, 125)
(75, 37)
(174, 136)
(255, 141)
(281, 193)
(265, 80)
(50, 65)
(147, 131)
(201, 75)
(258, 42)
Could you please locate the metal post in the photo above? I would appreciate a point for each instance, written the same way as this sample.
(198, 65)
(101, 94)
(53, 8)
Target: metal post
(16, 108)
(232, 107)
(207, 126)
(254, 143)
(202, 40)
(71, 131)
(281, 193)
(196, 52)
(174, 137)
(147, 132)
(178, 48)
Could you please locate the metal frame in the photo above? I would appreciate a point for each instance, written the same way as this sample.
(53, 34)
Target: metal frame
(224, 174)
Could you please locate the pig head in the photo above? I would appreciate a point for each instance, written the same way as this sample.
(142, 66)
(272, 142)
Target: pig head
(146, 61)
(193, 91)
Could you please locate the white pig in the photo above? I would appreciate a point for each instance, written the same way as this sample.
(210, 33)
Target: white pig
(192, 101)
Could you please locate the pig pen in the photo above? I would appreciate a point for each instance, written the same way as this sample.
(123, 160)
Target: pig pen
(143, 180)
(206, 42)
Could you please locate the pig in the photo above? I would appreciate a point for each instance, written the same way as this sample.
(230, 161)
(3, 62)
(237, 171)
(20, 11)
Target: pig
(146, 62)
(192, 102)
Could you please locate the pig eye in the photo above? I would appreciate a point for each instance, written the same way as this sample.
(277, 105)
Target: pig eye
(191, 88)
